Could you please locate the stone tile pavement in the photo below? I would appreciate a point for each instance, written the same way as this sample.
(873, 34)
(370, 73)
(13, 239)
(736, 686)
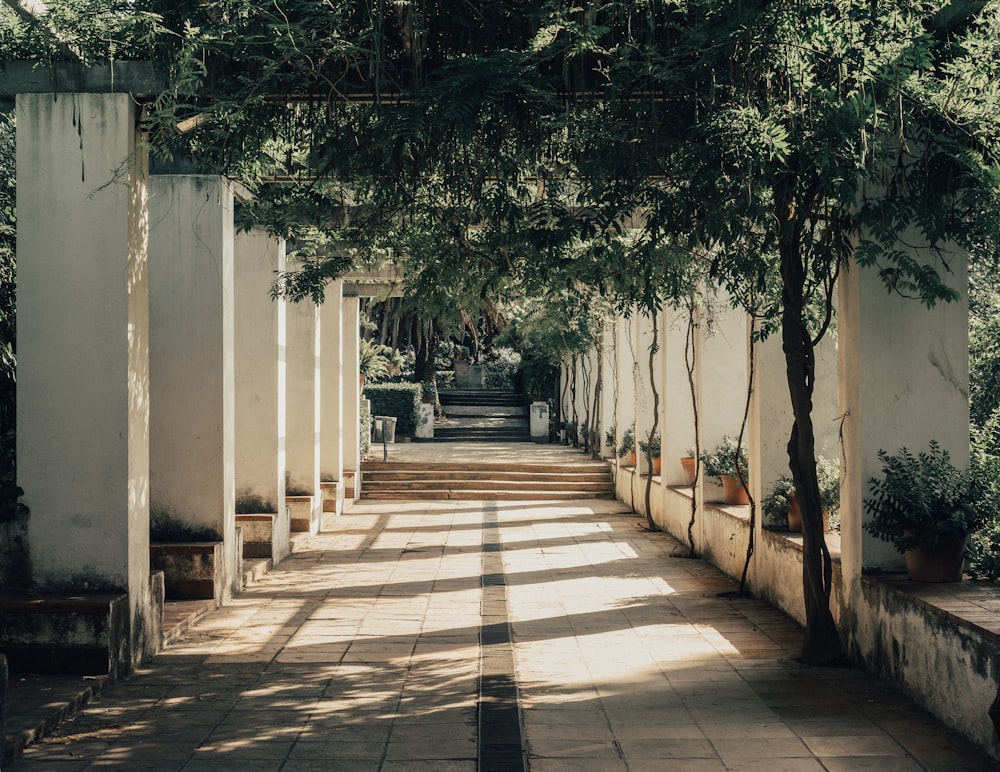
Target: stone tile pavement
(361, 651)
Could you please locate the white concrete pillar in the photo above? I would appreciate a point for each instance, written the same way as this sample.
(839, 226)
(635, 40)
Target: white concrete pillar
(351, 336)
(302, 409)
(771, 411)
(723, 371)
(678, 410)
(904, 381)
(260, 381)
(609, 387)
(192, 412)
(626, 376)
(83, 347)
(332, 411)
(644, 418)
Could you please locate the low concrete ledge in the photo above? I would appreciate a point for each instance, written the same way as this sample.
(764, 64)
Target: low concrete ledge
(63, 633)
(263, 536)
(331, 493)
(303, 517)
(350, 486)
(191, 570)
(941, 645)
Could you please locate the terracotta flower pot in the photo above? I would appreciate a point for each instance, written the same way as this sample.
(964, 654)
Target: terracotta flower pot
(657, 465)
(936, 563)
(631, 459)
(733, 492)
(689, 465)
(795, 516)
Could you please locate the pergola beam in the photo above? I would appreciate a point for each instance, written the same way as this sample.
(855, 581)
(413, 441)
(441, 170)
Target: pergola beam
(143, 80)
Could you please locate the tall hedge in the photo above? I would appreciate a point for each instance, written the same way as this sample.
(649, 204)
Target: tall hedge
(401, 400)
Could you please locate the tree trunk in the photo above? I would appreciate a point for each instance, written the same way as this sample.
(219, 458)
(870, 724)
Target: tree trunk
(596, 439)
(690, 362)
(425, 351)
(653, 348)
(822, 645)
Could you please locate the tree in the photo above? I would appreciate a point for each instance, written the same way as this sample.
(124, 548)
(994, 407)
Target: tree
(628, 147)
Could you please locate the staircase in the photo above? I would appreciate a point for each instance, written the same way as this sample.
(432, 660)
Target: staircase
(482, 415)
(486, 481)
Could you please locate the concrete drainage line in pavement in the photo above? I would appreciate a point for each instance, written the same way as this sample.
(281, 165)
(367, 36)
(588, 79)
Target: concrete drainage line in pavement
(501, 741)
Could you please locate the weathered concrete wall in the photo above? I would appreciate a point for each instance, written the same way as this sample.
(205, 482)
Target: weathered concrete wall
(950, 668)
(192, 409)
(15, 565)
(83, 368)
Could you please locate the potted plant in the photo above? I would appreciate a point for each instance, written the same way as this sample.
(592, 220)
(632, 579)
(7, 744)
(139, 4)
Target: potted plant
(781, 506)
(570, 433)
(689, 466)
(627, 446)
(721, 463)
(609, 438)
(653, 449)
(927, 509)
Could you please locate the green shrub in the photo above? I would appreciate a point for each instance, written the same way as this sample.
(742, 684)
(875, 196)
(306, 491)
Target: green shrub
(500, 366)
(627, 444)
(401, 400)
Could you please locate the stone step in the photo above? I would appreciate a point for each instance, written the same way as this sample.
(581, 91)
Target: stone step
(444, 494)
(459, 475)
(478, 481)
(488, 484)
(486, 436)
(487, 411)
(480, 397)
(584, 465)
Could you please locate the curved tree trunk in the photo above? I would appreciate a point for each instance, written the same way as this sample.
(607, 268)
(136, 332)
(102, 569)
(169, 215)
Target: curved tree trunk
(822, 645)
(690, 362)
(751, 541)
(595, 428)
(654, 347)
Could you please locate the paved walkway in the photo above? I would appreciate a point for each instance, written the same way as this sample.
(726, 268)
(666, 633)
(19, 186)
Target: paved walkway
(362, 652)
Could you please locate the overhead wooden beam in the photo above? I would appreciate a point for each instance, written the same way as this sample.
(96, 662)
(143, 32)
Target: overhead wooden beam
(143, 80)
